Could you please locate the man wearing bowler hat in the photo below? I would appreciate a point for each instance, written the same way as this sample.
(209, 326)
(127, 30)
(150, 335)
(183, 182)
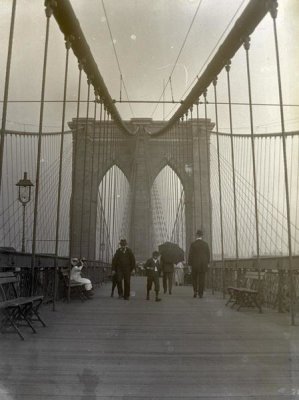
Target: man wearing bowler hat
(199, 258)
(123, 263)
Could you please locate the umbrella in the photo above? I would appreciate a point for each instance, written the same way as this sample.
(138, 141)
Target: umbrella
(171, 252)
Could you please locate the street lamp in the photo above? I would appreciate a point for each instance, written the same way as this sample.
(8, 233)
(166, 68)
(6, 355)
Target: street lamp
(24, 186)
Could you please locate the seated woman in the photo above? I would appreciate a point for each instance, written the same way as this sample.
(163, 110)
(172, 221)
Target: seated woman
(77, 266)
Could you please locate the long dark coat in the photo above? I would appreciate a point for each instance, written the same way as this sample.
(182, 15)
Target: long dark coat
(166, 266)
(123, 261)
(199, 255)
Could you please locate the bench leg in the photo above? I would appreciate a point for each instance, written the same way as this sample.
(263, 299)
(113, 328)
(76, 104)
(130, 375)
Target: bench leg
(35, 307)
(33, 310)
(24, 315)
(9, 317)
(36, 313)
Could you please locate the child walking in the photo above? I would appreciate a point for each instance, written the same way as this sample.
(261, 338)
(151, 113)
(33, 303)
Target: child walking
(153, 270)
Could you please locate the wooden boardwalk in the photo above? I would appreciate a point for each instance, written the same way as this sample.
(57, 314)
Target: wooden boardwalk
(180, 348)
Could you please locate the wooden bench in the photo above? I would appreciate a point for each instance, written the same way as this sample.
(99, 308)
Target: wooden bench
(17, 310)
(247, 295)
(72, 288)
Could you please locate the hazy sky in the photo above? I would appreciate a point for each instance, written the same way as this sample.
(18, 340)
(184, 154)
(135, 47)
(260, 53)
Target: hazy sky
(148, 36)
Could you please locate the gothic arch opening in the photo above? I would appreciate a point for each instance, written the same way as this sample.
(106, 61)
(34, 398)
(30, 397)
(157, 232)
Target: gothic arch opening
(113, 213)
(168, 208)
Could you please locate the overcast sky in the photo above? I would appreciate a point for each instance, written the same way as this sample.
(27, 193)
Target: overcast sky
(148, 36)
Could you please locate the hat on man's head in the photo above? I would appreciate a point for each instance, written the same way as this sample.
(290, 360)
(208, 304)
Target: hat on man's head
(199, 232)
(123, 242)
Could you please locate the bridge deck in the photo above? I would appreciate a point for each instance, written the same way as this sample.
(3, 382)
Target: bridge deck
(180, 348)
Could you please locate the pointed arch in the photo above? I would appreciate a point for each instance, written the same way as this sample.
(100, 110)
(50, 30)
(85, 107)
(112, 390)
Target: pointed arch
(168, 207)
(113, 212)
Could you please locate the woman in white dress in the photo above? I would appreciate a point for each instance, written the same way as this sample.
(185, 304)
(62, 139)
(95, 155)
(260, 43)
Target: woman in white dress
(77, 266)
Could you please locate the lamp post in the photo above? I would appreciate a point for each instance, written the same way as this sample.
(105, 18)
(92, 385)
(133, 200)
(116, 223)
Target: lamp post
(24, 186)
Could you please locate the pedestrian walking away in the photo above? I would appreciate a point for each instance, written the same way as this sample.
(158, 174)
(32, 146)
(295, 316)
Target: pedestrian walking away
(168, 270)
(198, 259)
(123, 263)
(153, 271)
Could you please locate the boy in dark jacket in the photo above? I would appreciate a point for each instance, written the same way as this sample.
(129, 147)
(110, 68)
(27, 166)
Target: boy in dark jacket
(153, 269)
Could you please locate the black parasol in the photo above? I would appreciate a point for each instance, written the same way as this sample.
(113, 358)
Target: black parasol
(171, 252)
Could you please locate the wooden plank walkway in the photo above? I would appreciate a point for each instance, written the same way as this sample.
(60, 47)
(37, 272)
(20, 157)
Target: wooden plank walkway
(180, 348)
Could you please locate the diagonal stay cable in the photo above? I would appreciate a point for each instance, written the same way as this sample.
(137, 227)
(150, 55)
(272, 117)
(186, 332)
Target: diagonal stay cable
(243, 182)
(211, 53)
(178, 56)
(261, 195)
(116, 57)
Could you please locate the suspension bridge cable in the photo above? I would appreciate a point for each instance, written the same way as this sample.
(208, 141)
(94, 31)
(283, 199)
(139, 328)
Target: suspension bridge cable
(84, 170)
(178, 56)
(211, 53)
(268, 234)
(6, 87)
(116, 56)
(240, 177)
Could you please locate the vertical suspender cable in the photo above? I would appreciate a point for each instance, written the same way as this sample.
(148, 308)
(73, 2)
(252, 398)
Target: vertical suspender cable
(48, 12)
(114, 191)
(106, 161)
(189, 157)
(227, 68)
(200, 166)
(273, 11)
(120, 89)
(68, 46)
(247, 46)
(98, 178)
(104, 185)
(110, 187)
(180, 130)
(219, 186)
(6, 86)
(174, 187)
(116, 188)
(92, 176)
(269, 213)
(84, 165)
(74, 172)
(183, 130)
(209, 172)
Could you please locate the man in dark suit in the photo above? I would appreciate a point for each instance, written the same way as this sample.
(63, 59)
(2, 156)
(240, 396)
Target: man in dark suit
(199, 258)
(123, 263)
(153, 269)
(168, 270)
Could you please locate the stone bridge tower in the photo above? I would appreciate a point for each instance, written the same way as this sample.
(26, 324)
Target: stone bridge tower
(146, 154)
